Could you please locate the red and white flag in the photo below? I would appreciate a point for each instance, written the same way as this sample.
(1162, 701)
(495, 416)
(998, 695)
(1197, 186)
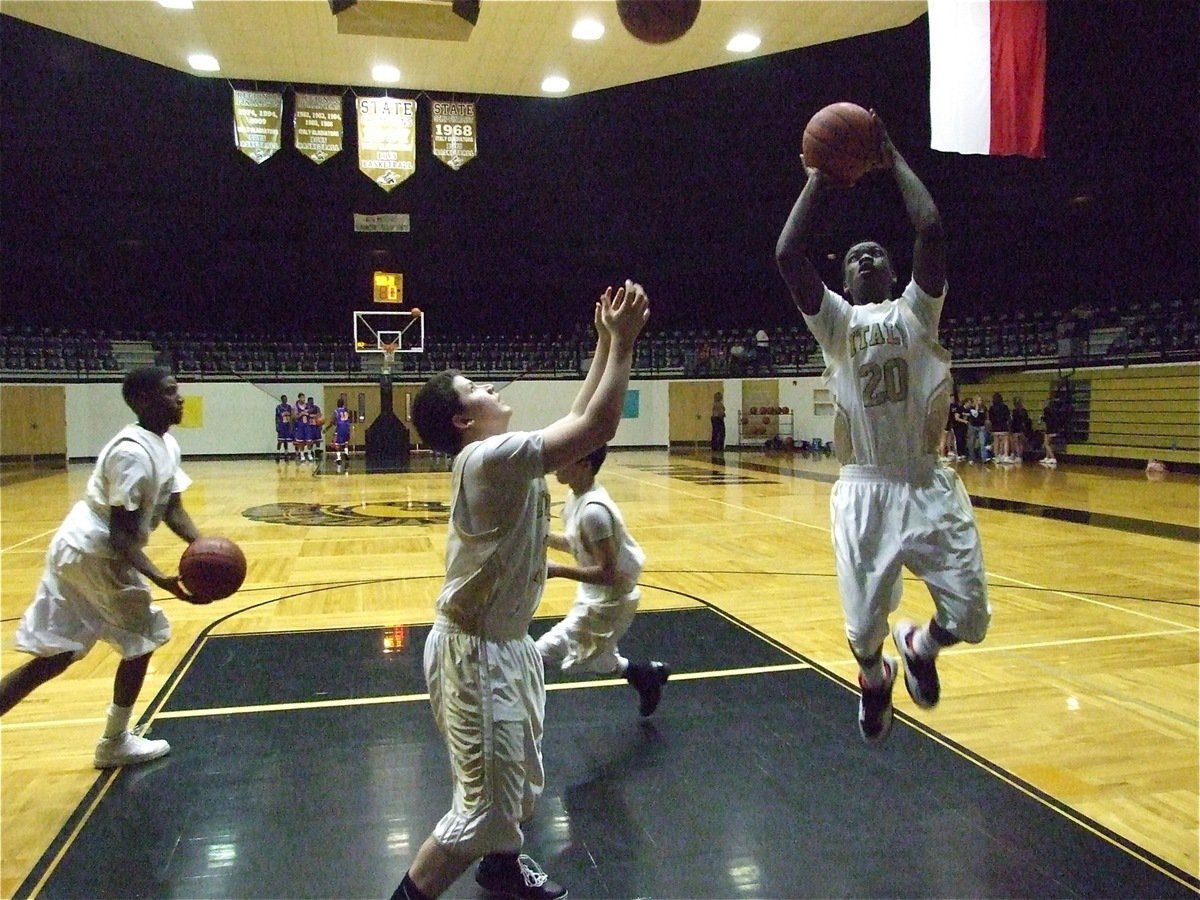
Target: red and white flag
(987, 76)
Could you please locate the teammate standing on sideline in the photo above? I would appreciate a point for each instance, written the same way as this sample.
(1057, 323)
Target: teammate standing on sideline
(485, 675)
(608, 565)
(300, 428)
(314, 438)
(92, 588)
(893, 504)
(283, 429)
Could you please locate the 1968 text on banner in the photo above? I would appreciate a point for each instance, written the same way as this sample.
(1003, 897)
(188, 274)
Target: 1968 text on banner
(454, 132)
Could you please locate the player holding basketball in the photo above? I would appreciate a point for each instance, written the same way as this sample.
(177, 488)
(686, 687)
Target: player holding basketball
(341, 429)
(485, 676)
(892, 505)
(283, 429)
(94, 585)
(608, 564)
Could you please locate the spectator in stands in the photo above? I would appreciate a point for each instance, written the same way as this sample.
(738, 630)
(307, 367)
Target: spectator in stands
(999, 418)
(762, 349)
(1020, 429)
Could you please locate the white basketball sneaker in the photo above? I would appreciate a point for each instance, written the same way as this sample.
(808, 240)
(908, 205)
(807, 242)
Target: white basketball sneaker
(127, 749)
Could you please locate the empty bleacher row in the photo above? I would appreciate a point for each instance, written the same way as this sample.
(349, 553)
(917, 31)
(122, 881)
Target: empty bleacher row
(1146, 332)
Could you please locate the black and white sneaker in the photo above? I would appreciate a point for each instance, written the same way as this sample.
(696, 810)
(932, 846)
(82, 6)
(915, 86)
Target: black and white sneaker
(920, 674)
(519, 877)
(648, 680)
(875, 705)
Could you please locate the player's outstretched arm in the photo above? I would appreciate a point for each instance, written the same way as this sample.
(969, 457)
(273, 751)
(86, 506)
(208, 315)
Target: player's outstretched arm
(929, 251)
(576, 435)
(791, 250)
(599, 358)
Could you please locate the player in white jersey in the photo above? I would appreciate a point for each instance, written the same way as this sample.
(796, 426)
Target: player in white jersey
(485, 675)
(893, 506)
(608, 565)
(93, 587)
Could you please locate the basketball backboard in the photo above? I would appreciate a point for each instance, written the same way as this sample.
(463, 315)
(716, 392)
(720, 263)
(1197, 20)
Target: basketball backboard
(402, 331)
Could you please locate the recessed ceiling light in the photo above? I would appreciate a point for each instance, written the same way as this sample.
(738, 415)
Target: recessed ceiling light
(743, 43)
(587, 30)
(202, 62)
(175, 4)
(384, 72)
(555, 84)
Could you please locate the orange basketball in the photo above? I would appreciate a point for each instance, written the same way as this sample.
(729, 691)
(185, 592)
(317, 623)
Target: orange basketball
(658, 21)
(212, 568)
(842, 140)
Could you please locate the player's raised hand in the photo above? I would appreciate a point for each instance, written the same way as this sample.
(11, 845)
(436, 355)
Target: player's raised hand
(625, 316)
(887, 150)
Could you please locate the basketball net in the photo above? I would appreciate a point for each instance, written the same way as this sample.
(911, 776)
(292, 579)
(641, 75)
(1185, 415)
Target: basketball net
(389, 355)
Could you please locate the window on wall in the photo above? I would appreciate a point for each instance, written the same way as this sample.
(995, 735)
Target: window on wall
(822, 402)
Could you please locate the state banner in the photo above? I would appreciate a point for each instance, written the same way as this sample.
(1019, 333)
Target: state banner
(318, 125)
(454, 132)
(258, 123)
(387, 139)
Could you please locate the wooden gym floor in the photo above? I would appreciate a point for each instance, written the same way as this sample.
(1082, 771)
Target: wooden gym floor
(1062, 760)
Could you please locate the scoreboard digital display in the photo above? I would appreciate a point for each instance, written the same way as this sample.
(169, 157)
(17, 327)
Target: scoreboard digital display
(389, 287)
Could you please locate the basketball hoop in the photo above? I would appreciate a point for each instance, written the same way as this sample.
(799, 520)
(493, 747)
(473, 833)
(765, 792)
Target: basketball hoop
(389, 355)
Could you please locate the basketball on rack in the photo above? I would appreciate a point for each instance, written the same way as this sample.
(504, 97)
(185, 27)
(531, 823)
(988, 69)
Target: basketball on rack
(212, 568)
(842, 140)
(658, 21)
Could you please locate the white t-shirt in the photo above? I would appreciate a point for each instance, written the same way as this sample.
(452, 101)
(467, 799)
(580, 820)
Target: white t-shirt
(593, 515)
(496, 546)
(889, 376)
(137, 470)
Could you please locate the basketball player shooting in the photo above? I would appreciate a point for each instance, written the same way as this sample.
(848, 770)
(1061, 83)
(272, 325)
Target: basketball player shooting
(893, 503)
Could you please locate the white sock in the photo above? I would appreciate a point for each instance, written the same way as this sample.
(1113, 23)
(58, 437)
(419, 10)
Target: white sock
(117, 721)
(923, 643)
(622, 666)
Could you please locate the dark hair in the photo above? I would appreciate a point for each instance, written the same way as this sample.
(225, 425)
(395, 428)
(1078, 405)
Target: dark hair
(597, 457)
(141, 382)
(434, 408)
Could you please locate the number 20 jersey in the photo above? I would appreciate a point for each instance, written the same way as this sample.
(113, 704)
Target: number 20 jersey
(889, 376)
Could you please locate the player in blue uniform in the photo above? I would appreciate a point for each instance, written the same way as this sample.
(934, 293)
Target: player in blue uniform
(341, 429)
(283, 429)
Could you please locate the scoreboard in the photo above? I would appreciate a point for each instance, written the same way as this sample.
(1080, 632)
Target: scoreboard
(388, 287)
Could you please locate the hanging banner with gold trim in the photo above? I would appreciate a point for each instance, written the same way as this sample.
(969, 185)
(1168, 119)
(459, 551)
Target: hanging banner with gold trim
(318, 125)
(387, 139)
(258, 123)
(454, 132)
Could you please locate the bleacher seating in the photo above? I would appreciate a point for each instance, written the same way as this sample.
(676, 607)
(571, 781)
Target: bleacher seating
(1155, 331)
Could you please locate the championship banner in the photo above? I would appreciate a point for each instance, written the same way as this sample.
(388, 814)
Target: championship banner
(454, 133)
(387, 139)
(318, 125)
(257, 123)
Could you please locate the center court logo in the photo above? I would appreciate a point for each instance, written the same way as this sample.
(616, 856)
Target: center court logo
(379, 513)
